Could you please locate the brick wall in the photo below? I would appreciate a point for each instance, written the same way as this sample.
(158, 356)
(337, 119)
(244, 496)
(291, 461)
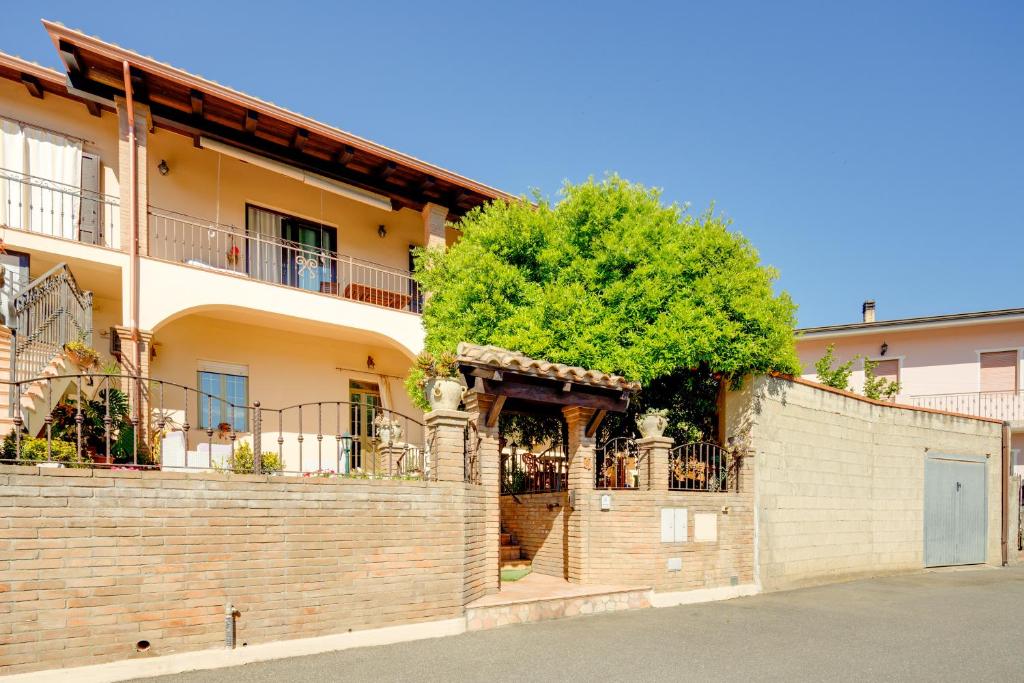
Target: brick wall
(840, 480)
(91, 562)
(539, 529)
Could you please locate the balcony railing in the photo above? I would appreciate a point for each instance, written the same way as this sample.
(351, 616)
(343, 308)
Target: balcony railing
(1001, 405)
(225, 248)
(56, 209)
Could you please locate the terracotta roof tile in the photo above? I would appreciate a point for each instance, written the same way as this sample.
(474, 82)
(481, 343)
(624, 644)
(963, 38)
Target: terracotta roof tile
(514, 361)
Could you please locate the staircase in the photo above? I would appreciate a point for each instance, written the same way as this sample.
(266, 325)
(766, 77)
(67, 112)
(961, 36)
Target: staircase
(511, 554)
(48, 313)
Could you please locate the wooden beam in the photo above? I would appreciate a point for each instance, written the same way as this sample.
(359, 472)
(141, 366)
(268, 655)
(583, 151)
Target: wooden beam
(495, 411)
(139, 88)
(567, 386)
(32, 84)
(427, 183)
(69, 53)
(345, 156)
(595, 423)
(300, 139)
(197, 99)
(385, 170)
(547, 394)
(456, 198)
(252, 119)
(94, 108)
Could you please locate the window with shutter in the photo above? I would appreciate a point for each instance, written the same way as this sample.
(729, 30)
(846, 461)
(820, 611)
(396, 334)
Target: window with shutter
(999, 371)
(889, 369)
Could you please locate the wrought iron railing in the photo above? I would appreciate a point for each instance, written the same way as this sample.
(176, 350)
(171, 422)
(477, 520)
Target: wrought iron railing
(1001, 405)
(115, 420)
(51, 208)
(50, 312)
(195, 242)
(523, 471)
(618, 464)
(698, 466)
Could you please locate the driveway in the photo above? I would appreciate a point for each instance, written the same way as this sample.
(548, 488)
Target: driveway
(941, 625)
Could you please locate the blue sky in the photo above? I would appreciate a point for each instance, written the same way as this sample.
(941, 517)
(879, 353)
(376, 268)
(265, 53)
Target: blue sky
(869, 150)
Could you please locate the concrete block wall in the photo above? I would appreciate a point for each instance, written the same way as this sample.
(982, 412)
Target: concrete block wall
(840, 480)
(92, 562)
(538, 522)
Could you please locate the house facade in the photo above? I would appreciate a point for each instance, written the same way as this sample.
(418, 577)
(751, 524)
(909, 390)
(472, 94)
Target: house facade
(967, 363)
(212, 240)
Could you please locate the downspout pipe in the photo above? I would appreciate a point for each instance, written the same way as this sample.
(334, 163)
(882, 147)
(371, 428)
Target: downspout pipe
(1004, 489)
(133, 200)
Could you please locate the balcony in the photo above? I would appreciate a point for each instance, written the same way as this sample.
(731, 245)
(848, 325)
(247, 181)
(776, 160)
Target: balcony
(47, 207)
(191, 241)
(1001, 405)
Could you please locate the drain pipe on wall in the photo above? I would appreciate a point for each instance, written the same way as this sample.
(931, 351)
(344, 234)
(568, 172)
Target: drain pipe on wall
(133, 200)
(1004, 488)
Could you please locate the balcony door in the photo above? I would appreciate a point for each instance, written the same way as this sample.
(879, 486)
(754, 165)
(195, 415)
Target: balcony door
(292, 251)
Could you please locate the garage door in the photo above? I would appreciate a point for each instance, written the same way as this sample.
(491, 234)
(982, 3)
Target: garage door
(955, 498)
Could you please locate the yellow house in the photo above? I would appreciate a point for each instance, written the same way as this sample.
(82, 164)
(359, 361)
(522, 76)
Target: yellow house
(213, 241)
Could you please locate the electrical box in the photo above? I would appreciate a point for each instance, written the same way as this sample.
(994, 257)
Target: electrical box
(675, 564)
(606, 501)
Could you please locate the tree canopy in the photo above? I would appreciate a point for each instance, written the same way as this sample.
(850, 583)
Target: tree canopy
(609, 278)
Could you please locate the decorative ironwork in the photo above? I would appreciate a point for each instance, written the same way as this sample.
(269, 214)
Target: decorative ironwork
(523, 471)
(471, 453)
(698, 466)
(618, 464)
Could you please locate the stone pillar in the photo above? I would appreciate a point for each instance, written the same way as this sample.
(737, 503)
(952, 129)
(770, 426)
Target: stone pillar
(580, 451)
(136, 390)
(434, 218)
(489, 458)
(446, 439)
(141, 172)
(654, 468)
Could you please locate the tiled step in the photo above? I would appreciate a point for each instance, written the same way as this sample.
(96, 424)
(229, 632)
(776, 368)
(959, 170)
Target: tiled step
(510, 552)
(516, 564)
(482, 617)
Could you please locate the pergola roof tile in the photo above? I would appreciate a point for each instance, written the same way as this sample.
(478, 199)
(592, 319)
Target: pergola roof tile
(514, 361)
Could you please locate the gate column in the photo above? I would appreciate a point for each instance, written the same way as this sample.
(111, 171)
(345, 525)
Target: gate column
(580, 454)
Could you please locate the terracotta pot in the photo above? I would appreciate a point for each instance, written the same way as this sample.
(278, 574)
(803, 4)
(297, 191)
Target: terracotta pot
(651, 424)
(82, 360)
(444, 393)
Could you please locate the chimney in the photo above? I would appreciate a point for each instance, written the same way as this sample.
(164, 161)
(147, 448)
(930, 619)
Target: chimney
(868, 309)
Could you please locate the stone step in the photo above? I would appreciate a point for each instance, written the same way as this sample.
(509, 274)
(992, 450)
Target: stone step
(517, 564)
(488, 616)
(510, 552)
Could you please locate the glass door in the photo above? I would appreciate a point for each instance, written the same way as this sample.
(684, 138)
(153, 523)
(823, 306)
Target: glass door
(365, 402)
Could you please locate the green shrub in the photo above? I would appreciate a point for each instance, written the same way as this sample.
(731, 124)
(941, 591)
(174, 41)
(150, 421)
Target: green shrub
(34, 450)
(241, 461)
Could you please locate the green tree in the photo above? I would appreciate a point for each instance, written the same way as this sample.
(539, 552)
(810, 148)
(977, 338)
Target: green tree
(878, 388)
(609, 278)
(837, 377)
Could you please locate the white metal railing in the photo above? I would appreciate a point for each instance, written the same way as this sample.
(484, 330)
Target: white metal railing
(50, 312)
(205, 244)
(56, 209)
(1001, 405)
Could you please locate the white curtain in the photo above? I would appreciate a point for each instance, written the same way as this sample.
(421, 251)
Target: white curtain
(13, 193)
(264, 252)
(55, 195)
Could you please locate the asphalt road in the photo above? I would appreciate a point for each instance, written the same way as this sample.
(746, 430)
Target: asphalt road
(935, 626)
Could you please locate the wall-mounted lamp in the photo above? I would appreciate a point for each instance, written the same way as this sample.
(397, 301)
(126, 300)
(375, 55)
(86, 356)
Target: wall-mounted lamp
(884, 349)
(382, 231)
(163, 167)
(370, 364)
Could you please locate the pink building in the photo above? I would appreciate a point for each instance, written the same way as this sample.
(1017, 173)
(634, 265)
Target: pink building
(963, 362)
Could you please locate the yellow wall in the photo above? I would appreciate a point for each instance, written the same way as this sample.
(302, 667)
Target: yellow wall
(192, 187)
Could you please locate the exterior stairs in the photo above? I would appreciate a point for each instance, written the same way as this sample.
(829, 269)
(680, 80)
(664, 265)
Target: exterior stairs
(35, 405)
(511, 554)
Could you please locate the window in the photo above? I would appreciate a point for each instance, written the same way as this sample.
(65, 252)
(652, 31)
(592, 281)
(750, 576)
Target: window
(225, 396)
(999, 371)
(888, 369)
(292, 251)
(365, 402)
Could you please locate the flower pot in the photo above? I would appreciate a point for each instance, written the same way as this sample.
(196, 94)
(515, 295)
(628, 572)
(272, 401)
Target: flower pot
(444, 393)
(651, 424)
(82, 359)
(389, 434)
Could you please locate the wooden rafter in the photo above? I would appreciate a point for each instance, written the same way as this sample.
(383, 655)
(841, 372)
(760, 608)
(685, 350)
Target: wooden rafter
(196, 99)
(252, 119)
(495, 412)
(32, 84)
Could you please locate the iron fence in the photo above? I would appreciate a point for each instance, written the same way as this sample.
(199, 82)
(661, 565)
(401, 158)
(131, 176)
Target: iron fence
(1000, 405)
(115, 420)
(225, 248)
(56, 209)
(618, 464)
(698, 466)
(523, 471)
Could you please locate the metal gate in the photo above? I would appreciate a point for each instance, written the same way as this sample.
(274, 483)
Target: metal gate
(955, 505)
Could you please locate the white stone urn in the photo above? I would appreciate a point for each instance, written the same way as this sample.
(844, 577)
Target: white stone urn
(652, 423)
(444, 393)
(389, 431)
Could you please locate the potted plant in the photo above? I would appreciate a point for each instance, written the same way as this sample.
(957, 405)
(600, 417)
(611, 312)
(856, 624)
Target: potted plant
(81, 354)
(233, 253)
(387, 428)
(440, 380)
(652, 422)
